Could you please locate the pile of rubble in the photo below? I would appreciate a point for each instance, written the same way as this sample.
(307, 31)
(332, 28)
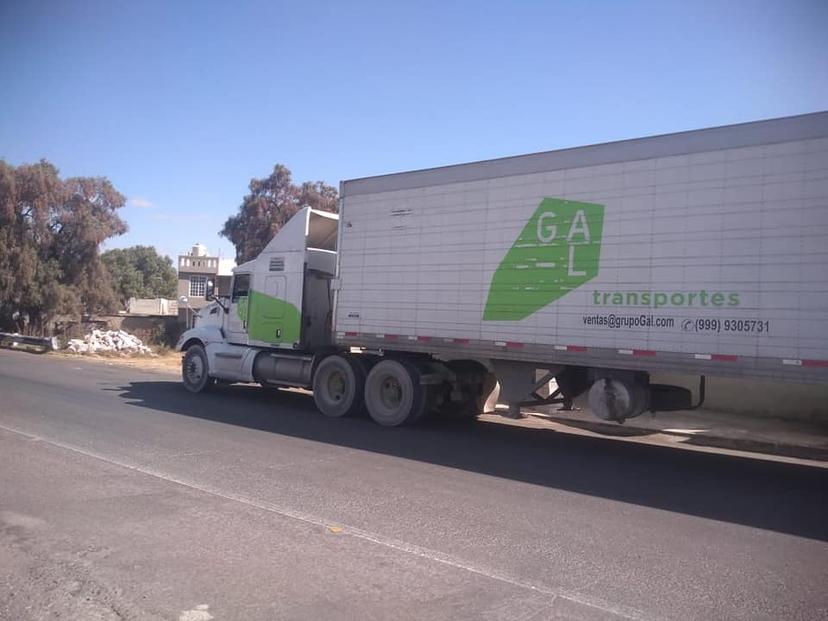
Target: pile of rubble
(99, 341)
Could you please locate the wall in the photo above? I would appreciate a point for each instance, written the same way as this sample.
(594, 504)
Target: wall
(761, 398)
(152, 306)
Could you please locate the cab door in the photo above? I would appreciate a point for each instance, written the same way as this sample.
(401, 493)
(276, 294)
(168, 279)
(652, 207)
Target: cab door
(273, 315)
(237, 319)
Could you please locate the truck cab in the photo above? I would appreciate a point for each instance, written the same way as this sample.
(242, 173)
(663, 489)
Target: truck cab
(278, 313)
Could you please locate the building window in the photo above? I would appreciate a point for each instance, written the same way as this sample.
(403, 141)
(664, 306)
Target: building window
(198, 286)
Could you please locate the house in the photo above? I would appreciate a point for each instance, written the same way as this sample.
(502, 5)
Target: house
(194, 270)
(152, 306)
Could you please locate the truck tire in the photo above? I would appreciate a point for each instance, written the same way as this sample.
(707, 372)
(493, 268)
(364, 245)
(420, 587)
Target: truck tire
(338, 385)
(195, 372)
(393, 394)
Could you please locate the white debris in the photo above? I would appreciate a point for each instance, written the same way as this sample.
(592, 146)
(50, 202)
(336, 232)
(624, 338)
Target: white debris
(108, 341)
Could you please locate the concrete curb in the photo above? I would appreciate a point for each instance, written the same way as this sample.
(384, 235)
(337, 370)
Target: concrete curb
(711, 439)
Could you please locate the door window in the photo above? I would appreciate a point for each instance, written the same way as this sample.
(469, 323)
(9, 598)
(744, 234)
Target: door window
(241, 286)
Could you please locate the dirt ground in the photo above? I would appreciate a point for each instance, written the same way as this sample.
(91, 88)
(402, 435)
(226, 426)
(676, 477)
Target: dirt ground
(168, 361)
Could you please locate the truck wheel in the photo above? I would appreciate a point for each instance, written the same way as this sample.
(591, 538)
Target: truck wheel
(338, 386)
(194, 370)
(393, 394)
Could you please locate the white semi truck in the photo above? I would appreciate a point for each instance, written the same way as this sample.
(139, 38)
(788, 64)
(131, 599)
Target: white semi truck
(701, 252)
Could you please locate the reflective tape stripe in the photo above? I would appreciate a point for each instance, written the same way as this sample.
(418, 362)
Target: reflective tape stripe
(810, 363)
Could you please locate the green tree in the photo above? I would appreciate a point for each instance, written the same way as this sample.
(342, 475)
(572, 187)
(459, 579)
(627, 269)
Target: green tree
(271, 203)
(140, 272)
(50, 233)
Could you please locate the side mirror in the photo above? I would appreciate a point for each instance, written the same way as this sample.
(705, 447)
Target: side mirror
(210, 291)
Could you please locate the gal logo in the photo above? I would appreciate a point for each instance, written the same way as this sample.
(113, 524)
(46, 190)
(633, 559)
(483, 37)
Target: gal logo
(557, 251)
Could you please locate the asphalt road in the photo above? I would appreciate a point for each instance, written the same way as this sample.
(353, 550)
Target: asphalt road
(124, 497)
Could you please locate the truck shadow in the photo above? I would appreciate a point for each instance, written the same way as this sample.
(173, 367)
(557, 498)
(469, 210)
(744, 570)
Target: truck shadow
(769, 495)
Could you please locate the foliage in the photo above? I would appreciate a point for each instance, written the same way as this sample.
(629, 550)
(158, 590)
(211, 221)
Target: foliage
(271, 203)
(50, 231)
(140, 272)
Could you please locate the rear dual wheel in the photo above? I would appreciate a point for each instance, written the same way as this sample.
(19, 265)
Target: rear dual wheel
(393, 393)
(390, 391)
(338, 386)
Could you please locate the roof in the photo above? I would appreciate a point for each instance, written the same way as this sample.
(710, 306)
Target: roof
(814, 125)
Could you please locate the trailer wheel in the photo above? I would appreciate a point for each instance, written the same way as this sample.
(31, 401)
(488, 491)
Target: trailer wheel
(338, 386)
(393, 394)
(195, 370)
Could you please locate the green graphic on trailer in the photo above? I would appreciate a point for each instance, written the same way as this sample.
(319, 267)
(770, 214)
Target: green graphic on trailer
(557, 252)
(272, 320)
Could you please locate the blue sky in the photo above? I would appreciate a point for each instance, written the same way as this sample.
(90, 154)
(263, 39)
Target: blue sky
(181, 103)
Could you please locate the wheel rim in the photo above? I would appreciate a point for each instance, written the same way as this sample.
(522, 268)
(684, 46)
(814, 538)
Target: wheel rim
(390, 392)
(194, 370)
(336, 386)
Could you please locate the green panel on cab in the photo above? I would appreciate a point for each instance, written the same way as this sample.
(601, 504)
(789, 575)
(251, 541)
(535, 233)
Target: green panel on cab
(273, 320)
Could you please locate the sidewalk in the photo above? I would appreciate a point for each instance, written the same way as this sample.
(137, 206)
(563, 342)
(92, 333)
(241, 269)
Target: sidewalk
(703, 428)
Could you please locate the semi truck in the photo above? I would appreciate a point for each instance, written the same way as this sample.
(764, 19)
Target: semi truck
(702, 252)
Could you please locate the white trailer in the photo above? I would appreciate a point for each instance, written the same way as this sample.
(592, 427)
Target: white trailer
(702, 252)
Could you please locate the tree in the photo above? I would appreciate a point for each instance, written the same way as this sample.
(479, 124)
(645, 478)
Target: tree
(140, 272)
(271, 203)
(50, 232)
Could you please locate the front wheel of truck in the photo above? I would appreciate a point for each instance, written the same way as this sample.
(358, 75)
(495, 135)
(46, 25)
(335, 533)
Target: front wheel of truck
(195, 370)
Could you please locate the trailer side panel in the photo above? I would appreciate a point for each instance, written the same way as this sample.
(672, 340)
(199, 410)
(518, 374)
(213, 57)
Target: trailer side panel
(703, 251)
